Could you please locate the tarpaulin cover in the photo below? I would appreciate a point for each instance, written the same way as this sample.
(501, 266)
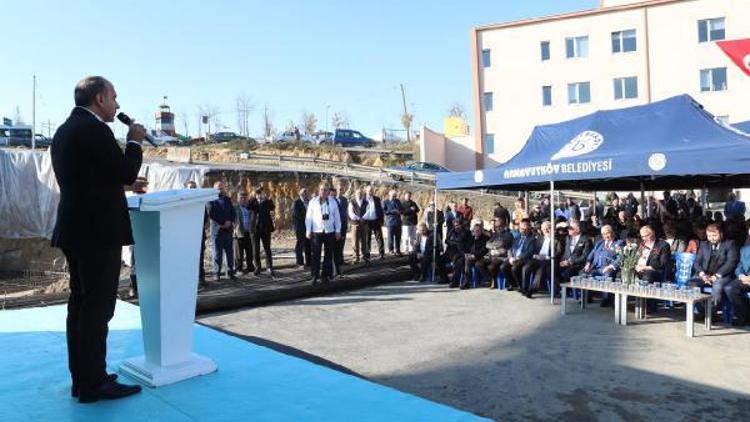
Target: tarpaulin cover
(29, 193)
(673, 143)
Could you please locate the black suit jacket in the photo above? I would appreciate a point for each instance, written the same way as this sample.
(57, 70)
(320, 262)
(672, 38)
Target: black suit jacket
(263, 219)
(299, 212)
(429, 245)
(343, 212)
(91, 170)
(478, 246)
(378, 208)
(728, 258)
(580, 251)
(660, 257)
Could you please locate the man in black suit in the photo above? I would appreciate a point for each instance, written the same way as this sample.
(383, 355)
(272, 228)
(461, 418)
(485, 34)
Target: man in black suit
(263, 209)
(457, 244)
(338, 256)
(420, 258)
(577, 249)
(91, 169)
(475, 252)
(373, 217)
(715, 263)
(222, 214)
(519, 255)
(299, 211)
(655, 257)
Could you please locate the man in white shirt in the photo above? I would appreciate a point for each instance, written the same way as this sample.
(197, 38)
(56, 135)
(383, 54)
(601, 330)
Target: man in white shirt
(373, 218)
(323, 224)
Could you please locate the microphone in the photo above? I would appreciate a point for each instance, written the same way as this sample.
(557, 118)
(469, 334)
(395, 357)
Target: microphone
(126, 120)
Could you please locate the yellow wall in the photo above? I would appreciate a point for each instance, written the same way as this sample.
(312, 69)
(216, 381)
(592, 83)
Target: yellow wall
(455, 126)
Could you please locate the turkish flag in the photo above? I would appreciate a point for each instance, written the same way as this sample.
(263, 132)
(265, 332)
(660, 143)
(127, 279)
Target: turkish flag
(739, 52)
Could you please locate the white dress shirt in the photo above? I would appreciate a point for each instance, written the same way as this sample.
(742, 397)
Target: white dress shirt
(574, 242)
(422, 244)
(544, 252)
(370, 213)
(353, 215)
(314, 219)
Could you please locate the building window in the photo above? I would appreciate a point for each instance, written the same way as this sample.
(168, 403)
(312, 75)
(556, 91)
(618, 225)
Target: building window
(489, 143)
(623, 41)
(488, 101)
(545, 51)
(577, 47)
(626, 88)
(711, 30)
(714, 79)
(486, 58)
(579, 93)
(546, 95)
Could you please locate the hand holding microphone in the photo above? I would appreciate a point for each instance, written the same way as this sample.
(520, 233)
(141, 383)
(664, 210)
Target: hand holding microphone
(136, 131)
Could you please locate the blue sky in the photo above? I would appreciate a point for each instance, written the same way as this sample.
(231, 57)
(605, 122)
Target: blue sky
(294, 56)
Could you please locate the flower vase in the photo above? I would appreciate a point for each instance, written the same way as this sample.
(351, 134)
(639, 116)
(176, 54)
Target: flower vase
(628, 275)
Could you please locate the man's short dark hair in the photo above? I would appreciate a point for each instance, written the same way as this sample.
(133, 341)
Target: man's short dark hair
(88, 88)
(259, 190)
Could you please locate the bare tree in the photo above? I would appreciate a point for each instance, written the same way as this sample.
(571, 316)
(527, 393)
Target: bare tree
(211, 113)
(340, 120)
(406, 121)
(309, 122)
(290, 126)
(244, 107)
(457, 110)
(267, 122)
(18, 118)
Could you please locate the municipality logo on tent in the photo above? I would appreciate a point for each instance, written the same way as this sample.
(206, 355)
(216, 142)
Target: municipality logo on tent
(584, 143)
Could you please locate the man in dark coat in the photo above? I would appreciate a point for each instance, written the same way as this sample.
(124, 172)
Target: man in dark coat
(392, 208)
(264, 210)
(373, 217)
(222, 214)
(92, 227)
(338, 257)
(420, 258)
(715, 264)
(302, 247)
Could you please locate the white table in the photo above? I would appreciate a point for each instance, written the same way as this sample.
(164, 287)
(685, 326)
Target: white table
(621, 304)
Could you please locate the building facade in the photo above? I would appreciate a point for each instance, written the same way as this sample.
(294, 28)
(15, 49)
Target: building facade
(621, 54)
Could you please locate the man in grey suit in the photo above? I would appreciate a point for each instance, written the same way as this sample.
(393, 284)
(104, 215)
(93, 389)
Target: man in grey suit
(242, 229)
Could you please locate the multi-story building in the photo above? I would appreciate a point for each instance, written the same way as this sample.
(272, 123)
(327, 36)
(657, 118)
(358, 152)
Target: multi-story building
(623, 53)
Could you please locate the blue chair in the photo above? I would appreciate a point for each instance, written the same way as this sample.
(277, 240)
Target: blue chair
(726, 306)
(683, 268)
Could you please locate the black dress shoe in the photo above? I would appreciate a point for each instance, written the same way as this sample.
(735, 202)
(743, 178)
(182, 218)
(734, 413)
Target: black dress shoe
(314, 281)
(74, 388)
(232, 276)
(273, 274)
(110, 390)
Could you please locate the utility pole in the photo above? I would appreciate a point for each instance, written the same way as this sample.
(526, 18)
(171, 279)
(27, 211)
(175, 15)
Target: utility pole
(403, 98)
(33, 115)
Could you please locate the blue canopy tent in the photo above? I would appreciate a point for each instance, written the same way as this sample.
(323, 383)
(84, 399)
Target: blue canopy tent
(670, 144)
(743, 126)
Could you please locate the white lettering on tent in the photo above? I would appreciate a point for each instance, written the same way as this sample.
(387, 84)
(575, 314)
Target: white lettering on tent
(746, 62)
(578, 167)
(586, 142)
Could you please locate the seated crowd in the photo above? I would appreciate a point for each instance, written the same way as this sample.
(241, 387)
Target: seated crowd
(590, 239)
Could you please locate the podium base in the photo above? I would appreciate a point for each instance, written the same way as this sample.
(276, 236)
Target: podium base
(156, 376)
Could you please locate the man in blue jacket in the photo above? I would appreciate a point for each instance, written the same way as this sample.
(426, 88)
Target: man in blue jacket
(392, 208)
(737, 289)
(222, 215)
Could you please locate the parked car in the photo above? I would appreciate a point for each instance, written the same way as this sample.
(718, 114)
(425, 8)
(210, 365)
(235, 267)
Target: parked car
(351, 138)
(422, 166)
(222, 136)
(323, 137)
(291, 136)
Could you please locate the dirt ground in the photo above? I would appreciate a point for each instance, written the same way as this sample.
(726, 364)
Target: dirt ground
(503, 356)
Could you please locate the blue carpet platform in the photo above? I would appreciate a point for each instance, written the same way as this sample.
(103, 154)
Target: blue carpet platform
(253, 383)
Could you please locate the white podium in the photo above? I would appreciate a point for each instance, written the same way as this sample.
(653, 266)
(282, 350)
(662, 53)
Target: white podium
(167, 230)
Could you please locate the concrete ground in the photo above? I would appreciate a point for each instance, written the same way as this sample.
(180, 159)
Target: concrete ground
(500, 355)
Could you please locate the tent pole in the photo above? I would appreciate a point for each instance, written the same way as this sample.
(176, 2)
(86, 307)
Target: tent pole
(643, 200)
(434, 236)
(552, 251)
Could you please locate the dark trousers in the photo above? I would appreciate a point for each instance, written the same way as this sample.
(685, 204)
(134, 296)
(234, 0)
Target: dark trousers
(245, 254)
(420, 265)
(534, 273)
(201, 270)
(469, 264)
(338, 257)
(457, 259)
(373, 228)
(735, 292)
(566, 273)
(359, 232)
(94, 277)
(319, 242)
(488, 267)
(717, 288)
(263, 237)
(513, 272)
(394, 238)
(302, 248)
(223, 245)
